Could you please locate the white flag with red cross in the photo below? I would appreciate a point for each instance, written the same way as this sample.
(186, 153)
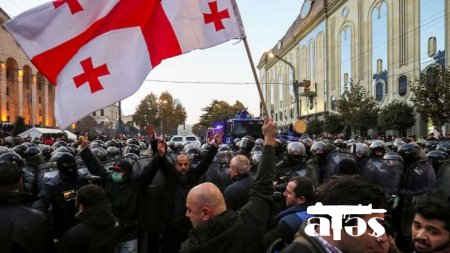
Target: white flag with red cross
(97, 52)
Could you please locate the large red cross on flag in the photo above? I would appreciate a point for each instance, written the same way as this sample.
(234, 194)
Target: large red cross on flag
(99, 52)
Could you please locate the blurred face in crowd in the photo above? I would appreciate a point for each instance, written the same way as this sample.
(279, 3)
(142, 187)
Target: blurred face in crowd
(182, 164)
(429, 235)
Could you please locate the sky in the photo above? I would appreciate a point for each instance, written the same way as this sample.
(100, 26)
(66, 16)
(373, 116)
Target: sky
(222, 72)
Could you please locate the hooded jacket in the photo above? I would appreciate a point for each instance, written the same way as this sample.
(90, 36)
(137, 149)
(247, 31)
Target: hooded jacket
(97, 231)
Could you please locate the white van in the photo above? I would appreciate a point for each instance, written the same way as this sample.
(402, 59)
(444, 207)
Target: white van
(186, 138)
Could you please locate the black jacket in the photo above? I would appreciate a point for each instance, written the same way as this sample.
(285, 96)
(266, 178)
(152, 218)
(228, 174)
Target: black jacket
(98, 231)
(173, 208)
(239, 231)
(60, 193)
(236, 194)
(22, 229)
(125, 197)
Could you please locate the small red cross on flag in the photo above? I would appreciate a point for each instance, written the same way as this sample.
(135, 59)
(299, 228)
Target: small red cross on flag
(74, 5)
(91, 75)
(216, 16)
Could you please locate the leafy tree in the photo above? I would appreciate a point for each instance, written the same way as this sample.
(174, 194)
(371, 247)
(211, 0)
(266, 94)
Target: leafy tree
(169, 114)
(147, 112)
(396, 115)
(86, 124)
(218, 111)
(333, 124)
(431, 95)
(315, 126)
(358, 110)
(19, 126)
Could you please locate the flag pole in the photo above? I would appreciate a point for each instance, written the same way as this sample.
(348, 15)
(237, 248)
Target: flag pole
(261, 97)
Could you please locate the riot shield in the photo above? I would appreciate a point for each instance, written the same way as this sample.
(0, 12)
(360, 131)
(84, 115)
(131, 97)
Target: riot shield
(383, 172)
(418, 179)
(339, 163)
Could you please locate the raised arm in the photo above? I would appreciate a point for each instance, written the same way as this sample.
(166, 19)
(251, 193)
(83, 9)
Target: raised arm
(92, 163)
(203, 166)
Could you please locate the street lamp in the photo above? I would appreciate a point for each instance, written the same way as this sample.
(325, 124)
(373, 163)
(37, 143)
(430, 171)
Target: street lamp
(161, 103)
(295, 82)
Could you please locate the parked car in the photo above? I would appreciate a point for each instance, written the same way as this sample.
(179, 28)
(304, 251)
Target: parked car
(185, 139)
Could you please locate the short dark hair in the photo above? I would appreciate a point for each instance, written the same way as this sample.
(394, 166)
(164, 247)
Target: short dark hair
(435, 209)
(304, 187)
(349, 190)
(90, 195)
(10, 174)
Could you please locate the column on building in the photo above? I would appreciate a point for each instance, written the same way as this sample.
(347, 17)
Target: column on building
(34, 101)
(20, 93)
(3, 91)
(45, 117)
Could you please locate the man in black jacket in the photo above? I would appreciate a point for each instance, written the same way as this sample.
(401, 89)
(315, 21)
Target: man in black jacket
(236, 194)
(217, 229)
(22, 229)
(98, 230)
(180, 178)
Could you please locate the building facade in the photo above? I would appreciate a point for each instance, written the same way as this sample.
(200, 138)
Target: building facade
(24, 91)
(108, 116)
(382, 45)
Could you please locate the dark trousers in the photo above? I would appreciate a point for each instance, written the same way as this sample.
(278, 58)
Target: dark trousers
(172, 237)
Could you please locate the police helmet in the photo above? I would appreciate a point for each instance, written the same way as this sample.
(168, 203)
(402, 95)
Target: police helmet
(361, 150)
(132, 141)
(411, 152)
(132, 148)
(247, 142)
(12, 157)
(100, 153)
(113, 151)
(97, 144)
(58, 144)
(296, 149)
(20, 149)
(256, 158)
(224, 156)
(444, 146)
(33, 156)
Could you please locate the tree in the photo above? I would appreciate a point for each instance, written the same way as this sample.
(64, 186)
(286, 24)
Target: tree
(358, 110)
(315, 127)
(333, 124)
(396, 115)
(219, 111)
(431, 95)
(86, 124)
(170, 115)
(147, 112)
(19, 126)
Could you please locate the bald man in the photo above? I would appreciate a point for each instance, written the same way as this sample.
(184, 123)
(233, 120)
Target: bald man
(218, 229)
(236, 194)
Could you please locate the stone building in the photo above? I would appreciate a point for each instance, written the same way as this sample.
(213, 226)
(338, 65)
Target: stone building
(379, 44)
(23, 90)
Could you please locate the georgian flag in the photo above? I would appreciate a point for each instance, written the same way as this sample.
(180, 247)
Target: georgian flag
(97, 52)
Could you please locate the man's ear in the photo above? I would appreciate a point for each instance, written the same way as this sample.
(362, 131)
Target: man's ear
(301, 200)
(206, 212)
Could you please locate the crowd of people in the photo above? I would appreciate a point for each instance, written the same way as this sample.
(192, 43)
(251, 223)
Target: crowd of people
(147, 195)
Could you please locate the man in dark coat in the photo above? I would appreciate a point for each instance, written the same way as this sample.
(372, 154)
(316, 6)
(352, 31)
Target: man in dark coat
(180, 178)
(236, 194)
(217, 229)
(22, 229)
(98, 230)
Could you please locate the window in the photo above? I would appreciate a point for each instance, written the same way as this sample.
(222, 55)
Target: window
(102, 112)
(333, 103)
(7, 91)
(40, 114)
(7, 106)
(379, 91)
(40, 100)
(402, 85)
(94, 114)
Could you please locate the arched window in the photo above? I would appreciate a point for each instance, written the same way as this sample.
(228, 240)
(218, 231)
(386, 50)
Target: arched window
(380, 46)
(346, 57)
(379, 91)
(402, 85)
